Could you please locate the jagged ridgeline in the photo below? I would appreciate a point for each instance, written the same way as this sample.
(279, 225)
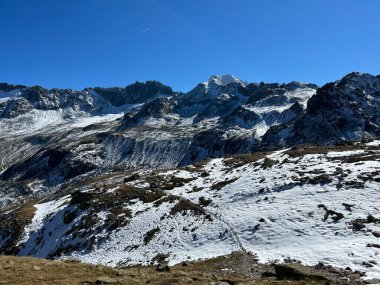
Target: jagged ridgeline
(58, 134)
(61, 133)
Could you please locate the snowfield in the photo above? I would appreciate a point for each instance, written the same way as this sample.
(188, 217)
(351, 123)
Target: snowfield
(51, 120)
(284, 221)
(311, 205)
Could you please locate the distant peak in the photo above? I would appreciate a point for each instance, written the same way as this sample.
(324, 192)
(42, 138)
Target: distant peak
(358, 75)
(358, 79)
(225, 80)
(299, 84)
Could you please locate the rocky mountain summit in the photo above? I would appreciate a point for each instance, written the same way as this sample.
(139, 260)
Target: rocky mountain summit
(346, 110)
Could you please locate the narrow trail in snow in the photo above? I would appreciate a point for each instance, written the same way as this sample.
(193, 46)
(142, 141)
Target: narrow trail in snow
(231, 230)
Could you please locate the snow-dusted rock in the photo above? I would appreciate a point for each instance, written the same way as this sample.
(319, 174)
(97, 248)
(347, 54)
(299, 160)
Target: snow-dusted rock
(346, 110)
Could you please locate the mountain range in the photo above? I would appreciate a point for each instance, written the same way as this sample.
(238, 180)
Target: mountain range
(148, 125)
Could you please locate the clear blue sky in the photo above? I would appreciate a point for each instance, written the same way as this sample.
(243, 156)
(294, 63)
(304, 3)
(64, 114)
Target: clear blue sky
(82, 43)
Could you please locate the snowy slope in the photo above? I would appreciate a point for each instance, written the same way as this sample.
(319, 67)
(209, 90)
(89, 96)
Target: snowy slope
(308, 203)
(10, 95)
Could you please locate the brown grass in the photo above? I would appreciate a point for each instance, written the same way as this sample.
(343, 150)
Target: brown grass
(150, 235)
(184, 206)
(13, 224)
(219, 185)
(240, 160)
(302, 150)
(29, 271)
(167, 183)
(242, 269)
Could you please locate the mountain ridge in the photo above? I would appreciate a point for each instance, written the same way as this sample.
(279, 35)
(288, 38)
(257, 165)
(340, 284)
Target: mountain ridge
(92, 132)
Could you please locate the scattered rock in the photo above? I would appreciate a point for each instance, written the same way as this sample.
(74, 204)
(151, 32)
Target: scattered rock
(354, 277)
(367, 264)
(267, 274)
(180, 274)
(132, 178)
(348, 207)
(296, 271)
(10, 262)
(335, 216)
(204, 202)
(268, 163)
(375, 245)
(160, 258)
(81, 198)
(150, 235)
(373, 281)
(105, 280)
(120, 273)
(162, 267)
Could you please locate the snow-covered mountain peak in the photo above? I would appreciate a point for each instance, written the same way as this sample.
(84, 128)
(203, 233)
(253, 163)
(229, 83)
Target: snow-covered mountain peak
(224, 80)
(299, 84)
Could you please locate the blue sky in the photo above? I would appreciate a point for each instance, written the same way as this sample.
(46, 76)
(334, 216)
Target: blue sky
(82, 43)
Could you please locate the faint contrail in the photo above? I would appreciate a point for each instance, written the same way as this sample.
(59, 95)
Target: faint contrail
(144, 31)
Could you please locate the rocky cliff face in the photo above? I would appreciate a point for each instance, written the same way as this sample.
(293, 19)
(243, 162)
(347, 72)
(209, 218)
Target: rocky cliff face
(346, 110)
